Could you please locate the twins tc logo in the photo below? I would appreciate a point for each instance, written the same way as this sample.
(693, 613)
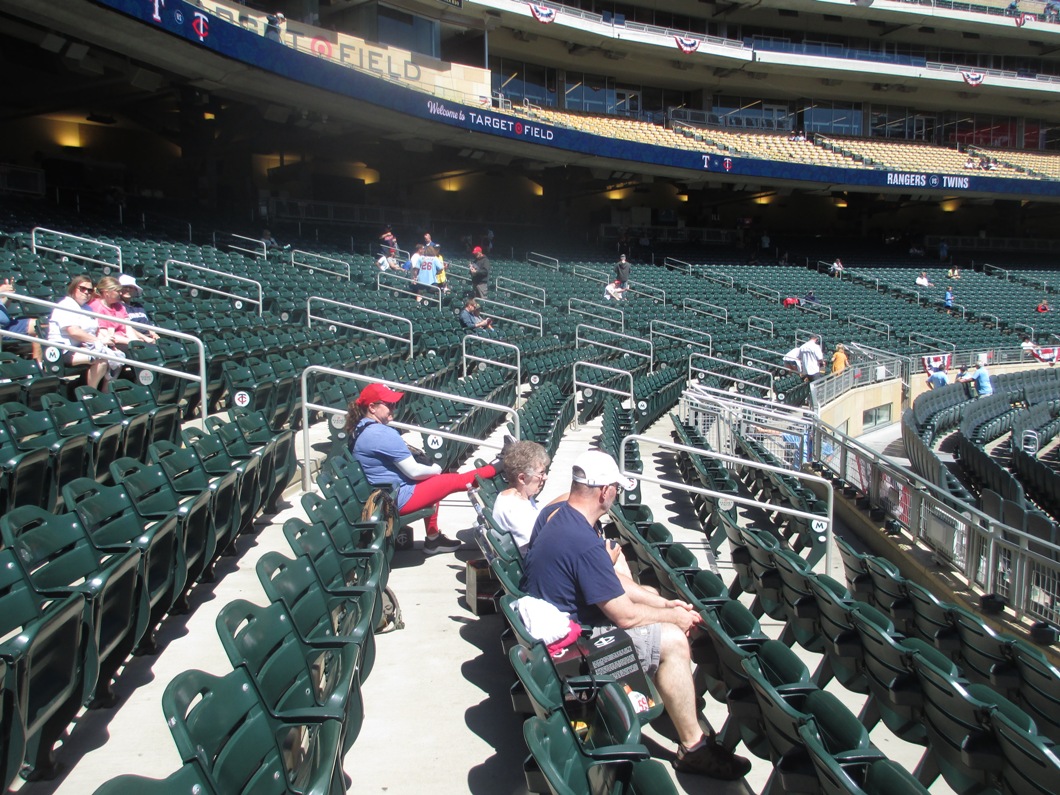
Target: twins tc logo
(201, 26)
(159, 5)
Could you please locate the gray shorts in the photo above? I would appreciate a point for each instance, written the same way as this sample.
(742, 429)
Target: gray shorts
(647, 641)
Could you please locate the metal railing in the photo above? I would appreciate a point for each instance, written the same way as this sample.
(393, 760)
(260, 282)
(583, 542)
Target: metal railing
(693, 304)
(693, 370)
(308, 406)
(543, 260)
(312, 261)
(194, 286)
(718, 278)
(572, 303)
(657, 294)
(674, 264)
(824, 390)
(501, 283)
(870, 324)
(653, 332)
(762, 324)
(405, 289)
(50, 345)
(333, 323)
(579, 339)
(539, 326)
(260, 249)
(105, 265)
(749, 360)
(588, 386)
(517, 367)
(590, 273)
(764, 292)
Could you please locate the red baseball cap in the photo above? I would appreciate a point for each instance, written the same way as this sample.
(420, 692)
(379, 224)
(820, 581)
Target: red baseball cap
(377, 393)
(476, 250)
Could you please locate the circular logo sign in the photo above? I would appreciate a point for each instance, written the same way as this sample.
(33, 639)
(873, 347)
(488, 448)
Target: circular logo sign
(285, 316)
(107, 270)
(725, 504)
(194, 292)
(332, 328)
(588, 393)
(819, 525)
(434, 441)
(311, 271)
(241, 398)
(145, 377)
(631, 484)
(239, 304)
(780, 396)
(642, 405)
(338, 422)
(53, 354)
(535, 380)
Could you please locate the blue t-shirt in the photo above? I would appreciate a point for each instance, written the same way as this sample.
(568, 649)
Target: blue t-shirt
(982, 383)
(428, 270)
(568, 566)
(378, 449)
(937, 379)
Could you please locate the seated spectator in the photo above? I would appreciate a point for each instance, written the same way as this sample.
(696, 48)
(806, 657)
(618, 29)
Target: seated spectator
(790, 302)
(388, 262)
(570, 566)
(1043, 306)
(937, 378)
(836, 268)
(108, 302)
(515, 510)
(388, 462)
(614, 291)
(969, 162)
(20, 325)
(953, 273)
(810, 298)
(131, 293)
(471, 318)
(82, 331)
(923, 281)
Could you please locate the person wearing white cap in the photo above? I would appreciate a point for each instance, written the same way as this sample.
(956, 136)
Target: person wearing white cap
(130, 296)
(569, 565)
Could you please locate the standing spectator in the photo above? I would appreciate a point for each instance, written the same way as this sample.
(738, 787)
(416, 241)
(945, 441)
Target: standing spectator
(944, 251)
(978, 380)
(480, 272)
(937, 378)
(839, 359)
(22, 325)
(388, 239)
(947, 300)
(427, 274)
(274, 25)
(81, 331)
(811, 358)
(622, 269)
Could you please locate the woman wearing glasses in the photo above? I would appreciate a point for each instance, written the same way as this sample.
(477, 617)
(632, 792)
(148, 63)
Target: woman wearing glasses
(82, 331)
(515, 510)
(110, 302)
(388, 462)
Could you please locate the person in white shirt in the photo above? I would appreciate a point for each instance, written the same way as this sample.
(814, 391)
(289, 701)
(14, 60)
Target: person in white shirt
(923, 281)
(614, 291)
(515, 509)
(811, 358)
(82, 331)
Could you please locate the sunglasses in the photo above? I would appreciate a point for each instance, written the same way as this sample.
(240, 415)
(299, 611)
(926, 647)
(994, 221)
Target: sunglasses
(83, 289)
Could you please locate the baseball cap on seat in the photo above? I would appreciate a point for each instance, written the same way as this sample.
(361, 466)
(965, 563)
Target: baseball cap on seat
(377, 393)
(125, 280)
(596, 468)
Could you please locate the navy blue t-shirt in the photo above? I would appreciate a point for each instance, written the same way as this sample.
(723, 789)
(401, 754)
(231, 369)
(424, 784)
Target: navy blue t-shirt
(568, 566)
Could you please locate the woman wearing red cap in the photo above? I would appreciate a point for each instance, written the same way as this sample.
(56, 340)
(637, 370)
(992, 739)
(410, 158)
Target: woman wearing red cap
(388, 461)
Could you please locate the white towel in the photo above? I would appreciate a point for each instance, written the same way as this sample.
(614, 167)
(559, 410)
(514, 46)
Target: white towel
(542, 620)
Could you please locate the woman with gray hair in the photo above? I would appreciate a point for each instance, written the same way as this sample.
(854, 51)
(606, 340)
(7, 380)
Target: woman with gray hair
(515, 509)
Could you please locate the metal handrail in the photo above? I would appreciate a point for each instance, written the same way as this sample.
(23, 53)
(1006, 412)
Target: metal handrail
(759, 404)
(166, 279)
(674, 264)
(690, 304)
(652, 334)
(693, 369)
(264, 253)
(608, 389)
(718, 278)
(752, 347)
(917, 341)
(512, 413)
(312, 268)
(180, 335)
(621, 315)
(405, 291)
(648, 290)
(540, 317)
(768, 328)
(876, 328)
(517, 367)
(543, 260)
(544, 293)
(601, 276)
(34, 246)
(764, 292)
(310, 317)
(822, 525)
(578, 339)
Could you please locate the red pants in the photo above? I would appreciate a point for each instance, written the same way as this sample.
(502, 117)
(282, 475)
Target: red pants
(430, 492)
